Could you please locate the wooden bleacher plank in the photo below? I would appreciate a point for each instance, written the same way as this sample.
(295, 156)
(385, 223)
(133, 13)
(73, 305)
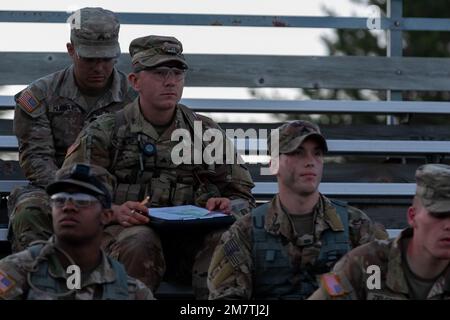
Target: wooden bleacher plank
(317, 106)
(216, 70)
(7, 185)
(380, 171)
(355, 172)
(338, 146)
(402, 23)
(296, 106)
(6, 102)
(334, 146)
(344, 189)
(8, 143)
(327, 188)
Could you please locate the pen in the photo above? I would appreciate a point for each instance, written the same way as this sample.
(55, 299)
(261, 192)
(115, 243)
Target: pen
(143, 202)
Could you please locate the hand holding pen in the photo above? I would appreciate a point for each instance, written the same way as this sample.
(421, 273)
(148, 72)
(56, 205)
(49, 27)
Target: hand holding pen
(132, 213)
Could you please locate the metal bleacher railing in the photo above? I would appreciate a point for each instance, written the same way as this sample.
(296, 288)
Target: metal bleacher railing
(392, 73)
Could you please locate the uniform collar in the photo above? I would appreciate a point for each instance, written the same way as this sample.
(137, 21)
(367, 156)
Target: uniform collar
(325, 216)
(103, 273)
(115, 93)
(395, 277)
(441, 285)
(138, 124)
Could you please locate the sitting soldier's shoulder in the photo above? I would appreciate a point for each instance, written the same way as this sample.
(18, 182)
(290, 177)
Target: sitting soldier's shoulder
(32, 99)
(206, 121)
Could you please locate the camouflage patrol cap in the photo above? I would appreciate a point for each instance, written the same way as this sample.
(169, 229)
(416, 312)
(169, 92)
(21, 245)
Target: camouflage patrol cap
(293, 133)
(433, 188)
(152, 51)
(92, 179)
(95, 33)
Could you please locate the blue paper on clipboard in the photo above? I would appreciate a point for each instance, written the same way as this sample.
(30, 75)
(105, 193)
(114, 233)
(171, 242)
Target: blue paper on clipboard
(181, 213)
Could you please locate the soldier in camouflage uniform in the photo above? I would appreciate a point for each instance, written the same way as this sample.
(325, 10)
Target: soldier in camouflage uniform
(277, 251)
(415, 265)
(51, 111)
(81, 207)
(136, 146)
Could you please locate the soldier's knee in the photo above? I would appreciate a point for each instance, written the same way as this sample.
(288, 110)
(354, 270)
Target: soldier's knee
(29, 224)
(137, 242)
(28, 196)
(139, 249)
(29, 206)
(31, 215)
(139, 236)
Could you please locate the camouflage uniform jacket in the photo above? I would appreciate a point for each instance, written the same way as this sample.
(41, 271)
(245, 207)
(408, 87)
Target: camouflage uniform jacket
(51, 112)
(351, 274)
(230, 277)
(119, 148)
(14, 270)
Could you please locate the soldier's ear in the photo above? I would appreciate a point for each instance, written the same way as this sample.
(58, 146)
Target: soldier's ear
(106, 216)
(411, 216)
(274, 165)
(70, 49)
(133, 80)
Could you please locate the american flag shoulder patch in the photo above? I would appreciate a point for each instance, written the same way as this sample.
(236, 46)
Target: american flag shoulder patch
(28, 101)
(6, 283)
(231, 249)
(332, 284)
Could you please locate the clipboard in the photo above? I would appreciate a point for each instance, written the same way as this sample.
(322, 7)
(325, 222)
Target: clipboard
(188, 217)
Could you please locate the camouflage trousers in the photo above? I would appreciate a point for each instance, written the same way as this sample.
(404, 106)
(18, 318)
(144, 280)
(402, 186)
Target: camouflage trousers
(29, 217)
(180, 256)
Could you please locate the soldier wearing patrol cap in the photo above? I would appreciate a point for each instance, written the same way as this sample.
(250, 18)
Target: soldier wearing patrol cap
(136, 146)
(80, 198)
(415, 265)
(277, 251)
(51, 111)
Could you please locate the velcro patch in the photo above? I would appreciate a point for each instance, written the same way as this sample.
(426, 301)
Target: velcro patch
(28, 101)
(6, 283)
(332, 285)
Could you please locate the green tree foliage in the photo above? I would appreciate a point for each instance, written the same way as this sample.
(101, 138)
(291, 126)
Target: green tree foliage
(373, 43)
(415, 44)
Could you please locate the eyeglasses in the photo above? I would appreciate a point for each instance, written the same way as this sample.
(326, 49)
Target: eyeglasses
(80, 200)
(163, 73)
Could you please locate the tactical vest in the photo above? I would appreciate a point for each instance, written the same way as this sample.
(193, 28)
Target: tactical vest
(117, 290)
(273, 272)
(166, 183)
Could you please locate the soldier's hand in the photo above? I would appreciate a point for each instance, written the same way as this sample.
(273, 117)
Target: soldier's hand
(131, 213)
(219, 204)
